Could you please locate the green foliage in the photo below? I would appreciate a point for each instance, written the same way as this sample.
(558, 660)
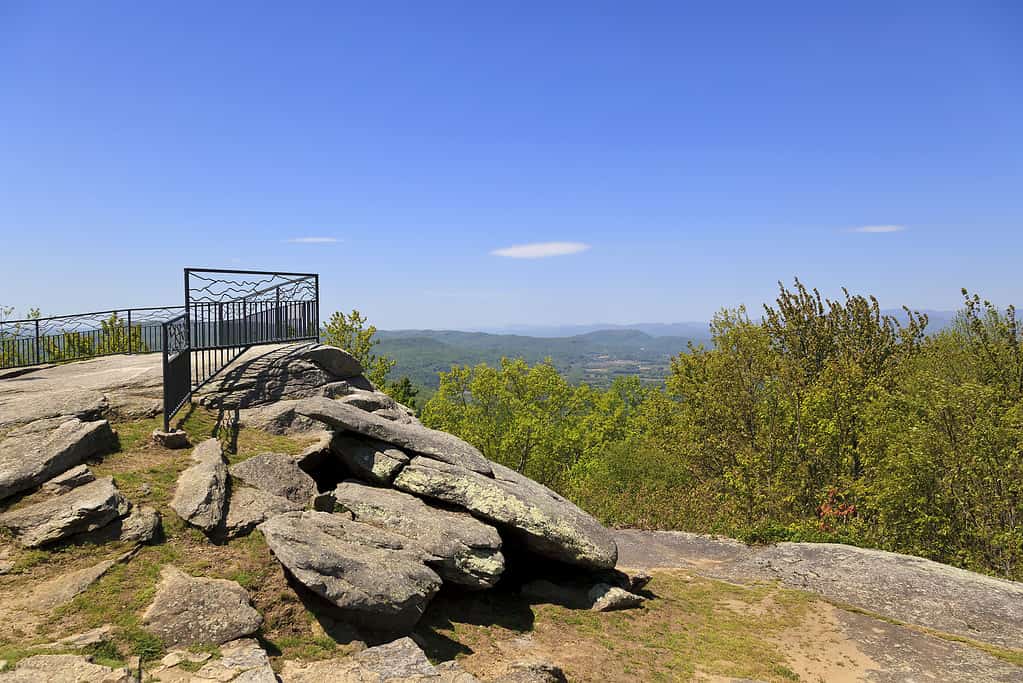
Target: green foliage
(824, 421)
(349, 332)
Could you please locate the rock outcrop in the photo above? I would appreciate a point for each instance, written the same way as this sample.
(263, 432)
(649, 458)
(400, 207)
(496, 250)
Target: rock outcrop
(44, 449)
(376, 577)
(548, 524)
(464, 550)
(190, 610)
(201, 493)
(81, 510)
(412, 437)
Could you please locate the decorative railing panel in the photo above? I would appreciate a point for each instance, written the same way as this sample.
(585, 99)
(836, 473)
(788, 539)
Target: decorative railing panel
(57, 339)
(229, 311)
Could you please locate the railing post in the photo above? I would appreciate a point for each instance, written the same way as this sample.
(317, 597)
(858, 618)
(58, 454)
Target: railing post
(129, 331)
(277, 315)
(38, 359)
(166, 403)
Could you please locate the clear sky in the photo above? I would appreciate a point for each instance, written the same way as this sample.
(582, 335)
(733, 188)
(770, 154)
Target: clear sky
(683, 156)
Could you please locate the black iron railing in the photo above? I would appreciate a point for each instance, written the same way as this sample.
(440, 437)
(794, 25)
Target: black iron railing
(227, 312)
(62, 338)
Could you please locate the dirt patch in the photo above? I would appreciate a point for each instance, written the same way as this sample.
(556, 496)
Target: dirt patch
(820, 649)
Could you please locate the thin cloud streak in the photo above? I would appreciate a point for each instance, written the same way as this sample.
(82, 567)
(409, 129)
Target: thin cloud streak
(312, 240)
(879, 228)
(541, 250)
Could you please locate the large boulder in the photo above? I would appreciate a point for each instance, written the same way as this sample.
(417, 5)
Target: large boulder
(374, 461)
(465, 550)
(267, 374)
(548, 524)
(40, 451)
(412, 437)
(189, 610)
(276, 474)
(201, 492)
(376, 577)
(81, 510)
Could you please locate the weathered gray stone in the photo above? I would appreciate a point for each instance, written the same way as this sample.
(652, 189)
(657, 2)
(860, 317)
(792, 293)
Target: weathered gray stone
(380, 403)
(250, 507)
(414, 437)
(607, 598)
(201, 492)
(277, 418)
(83, 509)
(64, 669)
(277, 474)
(190, 610)
(63, 588)
(174, 440)
(379, 578)
(74, 477)
(548, 524)
(465, 551)
(368, 459)
(80, 640)
(400, 661)
(241, 661)
(268, 374)
(27, 458)
(532, 672)
(30, 406)
(141, 525)
(337, 362)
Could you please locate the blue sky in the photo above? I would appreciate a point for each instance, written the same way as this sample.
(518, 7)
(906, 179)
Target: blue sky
(684, 156)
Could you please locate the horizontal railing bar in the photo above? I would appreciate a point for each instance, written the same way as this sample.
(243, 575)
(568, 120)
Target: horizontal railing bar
(83, 315)
(247, 272)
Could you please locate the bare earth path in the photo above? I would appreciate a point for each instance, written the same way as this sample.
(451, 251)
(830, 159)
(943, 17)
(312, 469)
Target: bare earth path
(908, 617)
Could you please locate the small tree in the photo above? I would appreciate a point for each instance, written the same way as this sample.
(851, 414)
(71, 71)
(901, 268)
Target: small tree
(351, 333)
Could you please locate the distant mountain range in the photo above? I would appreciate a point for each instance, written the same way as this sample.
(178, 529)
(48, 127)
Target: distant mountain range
(594, 353)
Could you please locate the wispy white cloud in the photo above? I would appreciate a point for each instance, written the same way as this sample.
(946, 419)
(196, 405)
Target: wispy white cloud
(312, 240)
(541, 249)
(878, 228)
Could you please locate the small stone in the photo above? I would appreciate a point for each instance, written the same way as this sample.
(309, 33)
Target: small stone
(80, 640)
(610, 598)
(532, 672)
(173, 440)
(74, 477)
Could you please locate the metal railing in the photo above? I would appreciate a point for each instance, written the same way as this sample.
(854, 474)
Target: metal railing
(63, 338)
(226, 313)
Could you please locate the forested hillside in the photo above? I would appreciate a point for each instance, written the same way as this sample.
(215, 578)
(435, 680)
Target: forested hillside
(595, 357)
(818, 420)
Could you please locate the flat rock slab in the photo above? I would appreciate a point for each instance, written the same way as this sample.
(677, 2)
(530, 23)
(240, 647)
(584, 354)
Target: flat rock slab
(189, 610)
(201, 493)
(241, 661)
(74, 477)
(902, 587)
(377, 577)
(466, 551)
(548, 524)
(277, 474)
(84, 404)
(398, 661)
(64, 669)
(63, 588)
(377, 462)
(249, 507)
(81, 510)
(30, 457)
(412, 437)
